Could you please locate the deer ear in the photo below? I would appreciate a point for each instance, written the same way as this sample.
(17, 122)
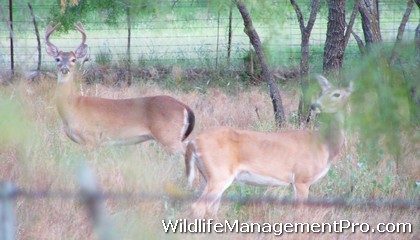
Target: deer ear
(51, 50)
(81, 52)
(323, 82)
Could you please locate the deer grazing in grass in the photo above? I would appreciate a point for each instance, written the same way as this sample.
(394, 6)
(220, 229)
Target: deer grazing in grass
(94, 121)
(299, 157)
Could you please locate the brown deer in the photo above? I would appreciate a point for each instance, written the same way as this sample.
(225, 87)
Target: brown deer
(94, 121)
(299, 157)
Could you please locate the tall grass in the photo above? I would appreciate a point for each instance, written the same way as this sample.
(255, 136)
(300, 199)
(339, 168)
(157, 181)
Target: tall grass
(41, 157)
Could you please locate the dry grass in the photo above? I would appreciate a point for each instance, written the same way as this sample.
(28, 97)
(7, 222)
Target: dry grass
(47, 160)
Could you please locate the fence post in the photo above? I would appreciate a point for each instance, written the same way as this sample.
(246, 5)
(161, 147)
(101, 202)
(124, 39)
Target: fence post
(92, 198)
(38, 66)
(229, 36)
(128, 44)
(12, 63)
(217, 40)
(7, 213)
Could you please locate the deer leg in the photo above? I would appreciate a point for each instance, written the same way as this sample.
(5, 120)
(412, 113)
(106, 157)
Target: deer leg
(170, 143)
(301, 191)
(209, 200)
(197, 181)
(301, 194)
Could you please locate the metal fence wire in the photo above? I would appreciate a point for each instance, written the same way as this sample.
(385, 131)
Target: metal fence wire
(188, 35)
(92, 198)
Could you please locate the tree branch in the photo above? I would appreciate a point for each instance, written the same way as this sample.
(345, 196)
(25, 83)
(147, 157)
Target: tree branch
(360, 43)
(299, 15)
(364, 7)
(401, 28)
(349, 28)
(38, 66)
(369, 6)
(312, 16)
(268, 76)
(404, 20)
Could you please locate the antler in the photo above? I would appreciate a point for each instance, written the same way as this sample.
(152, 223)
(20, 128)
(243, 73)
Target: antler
(81, 51)
(51, 48)
(79, 27)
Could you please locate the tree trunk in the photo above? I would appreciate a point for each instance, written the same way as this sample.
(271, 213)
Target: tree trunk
(335, 42)
(417, 42)
(304, 78)
(360, 44)
(128, 74)
(417, 39)
(12, 37)
(369, 10)
(349, 29)
(304, 49)
(38, 66)
(401, 29)
(256, 43)
(306, 33)
(229, 46)
(415, 112)
(304, 62)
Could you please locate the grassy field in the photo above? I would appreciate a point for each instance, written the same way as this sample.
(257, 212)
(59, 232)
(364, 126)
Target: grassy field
(36, 155)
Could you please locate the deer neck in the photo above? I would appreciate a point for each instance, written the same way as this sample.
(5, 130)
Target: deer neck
(66, 94)
(333, 133)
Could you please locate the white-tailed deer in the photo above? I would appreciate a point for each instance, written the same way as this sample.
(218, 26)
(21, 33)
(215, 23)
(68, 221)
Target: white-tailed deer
(299, 157)
(94, 121)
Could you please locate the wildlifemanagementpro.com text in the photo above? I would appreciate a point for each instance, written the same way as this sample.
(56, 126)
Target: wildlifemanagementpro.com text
(235, 226)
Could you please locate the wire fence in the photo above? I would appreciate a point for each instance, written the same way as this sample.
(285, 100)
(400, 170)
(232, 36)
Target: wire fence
(93, 199)
(190, 35)
(17, 193)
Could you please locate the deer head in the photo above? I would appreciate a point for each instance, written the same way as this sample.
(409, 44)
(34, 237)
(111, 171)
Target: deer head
(66, 60)
(332, 99)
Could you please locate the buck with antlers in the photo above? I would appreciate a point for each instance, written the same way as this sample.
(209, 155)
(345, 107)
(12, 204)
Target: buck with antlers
(95, 121)
(299, 157)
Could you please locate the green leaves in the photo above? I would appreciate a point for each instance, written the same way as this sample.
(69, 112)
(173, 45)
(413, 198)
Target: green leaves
(109, 11)
(381, 107)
